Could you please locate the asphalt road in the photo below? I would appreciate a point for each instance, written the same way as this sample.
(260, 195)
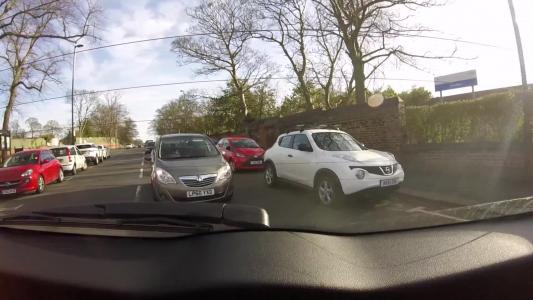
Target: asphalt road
(125, 177)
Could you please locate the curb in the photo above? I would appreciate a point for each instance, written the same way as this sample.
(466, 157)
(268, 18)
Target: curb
(436, 197)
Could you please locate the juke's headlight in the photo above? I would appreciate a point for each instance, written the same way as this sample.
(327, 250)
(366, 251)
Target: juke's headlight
(360, 174)
(164, 177)
(224, 173)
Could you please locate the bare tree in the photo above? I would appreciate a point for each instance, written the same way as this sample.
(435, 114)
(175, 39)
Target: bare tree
(27, 31)
(53, 128)
(34, 125)
(16, 130)
(284, 24)
(109, 115)
(69, 19)
(370, 31)
(85, 103)
(328, 50)
(225, 28)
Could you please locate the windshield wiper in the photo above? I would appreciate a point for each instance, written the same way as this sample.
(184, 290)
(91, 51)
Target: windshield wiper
(188, 217)
(144, 223)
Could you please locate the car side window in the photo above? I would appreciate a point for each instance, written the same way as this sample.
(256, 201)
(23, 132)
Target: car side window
(45, 155)
(286, 141)
(301, 139)
(78, 151)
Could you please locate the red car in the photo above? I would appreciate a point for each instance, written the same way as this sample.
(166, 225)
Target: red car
(29, 171)
(242, 153)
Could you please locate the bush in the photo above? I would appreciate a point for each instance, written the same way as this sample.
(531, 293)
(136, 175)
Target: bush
(493, 118)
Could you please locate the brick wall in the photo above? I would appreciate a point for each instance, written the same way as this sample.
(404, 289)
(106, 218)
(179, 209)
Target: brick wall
(379, 128)
(481, 160)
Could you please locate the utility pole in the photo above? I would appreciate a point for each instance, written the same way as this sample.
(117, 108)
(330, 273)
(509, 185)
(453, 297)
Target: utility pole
(526, 105)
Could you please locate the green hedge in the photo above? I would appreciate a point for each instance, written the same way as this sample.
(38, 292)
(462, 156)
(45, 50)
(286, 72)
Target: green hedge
(494, 118)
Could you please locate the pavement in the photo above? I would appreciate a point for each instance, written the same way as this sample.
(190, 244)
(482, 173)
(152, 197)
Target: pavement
(125, 178)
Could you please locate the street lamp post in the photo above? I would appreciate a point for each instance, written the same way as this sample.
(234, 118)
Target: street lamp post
(76, 45)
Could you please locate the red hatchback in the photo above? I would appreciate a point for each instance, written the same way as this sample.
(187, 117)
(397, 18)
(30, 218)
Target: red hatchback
(29, 171)
(242, 153)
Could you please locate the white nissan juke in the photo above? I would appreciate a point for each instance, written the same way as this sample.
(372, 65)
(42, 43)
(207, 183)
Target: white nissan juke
(331, 162)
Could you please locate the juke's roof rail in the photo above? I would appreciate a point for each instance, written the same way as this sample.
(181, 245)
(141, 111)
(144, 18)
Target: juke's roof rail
(302, 127)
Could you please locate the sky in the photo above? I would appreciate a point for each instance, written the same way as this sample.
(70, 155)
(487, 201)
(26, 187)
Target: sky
(481, 21)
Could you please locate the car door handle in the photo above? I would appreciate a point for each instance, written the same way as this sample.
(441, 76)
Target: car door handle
(290, 155)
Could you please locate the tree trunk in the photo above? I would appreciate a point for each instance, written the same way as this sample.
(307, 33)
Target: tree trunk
(7, 114)
(327, 96)
(305, 92)
(240, 91)
(359, 75)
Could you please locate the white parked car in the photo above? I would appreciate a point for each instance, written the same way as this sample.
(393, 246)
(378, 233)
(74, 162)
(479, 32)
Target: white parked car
(70, 158)
(91, 153)
(331, 162)
(129, 146)
(104, 152)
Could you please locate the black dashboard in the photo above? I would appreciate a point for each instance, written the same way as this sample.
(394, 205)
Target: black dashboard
(482, 260)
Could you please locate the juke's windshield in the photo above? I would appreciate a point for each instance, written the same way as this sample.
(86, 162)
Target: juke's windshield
(335, 141)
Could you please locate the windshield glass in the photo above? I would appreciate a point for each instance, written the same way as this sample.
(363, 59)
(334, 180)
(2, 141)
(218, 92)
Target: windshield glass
(334, 141)
(59, 152)
(186, 147)
(380, 115)
(20, 159)
(244, 143)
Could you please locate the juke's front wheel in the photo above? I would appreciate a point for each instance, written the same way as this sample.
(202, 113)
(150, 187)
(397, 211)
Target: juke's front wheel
(270, 175)
(328, 190)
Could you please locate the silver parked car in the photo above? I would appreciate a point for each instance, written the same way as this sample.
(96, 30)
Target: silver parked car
(188, 167)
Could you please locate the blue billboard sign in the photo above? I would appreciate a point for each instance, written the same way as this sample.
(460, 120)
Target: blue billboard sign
(455, 81)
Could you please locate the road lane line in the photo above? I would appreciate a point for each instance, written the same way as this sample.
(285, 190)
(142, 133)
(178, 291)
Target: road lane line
(139, 187)
(138, 194)
(4, 209)
(434, 213)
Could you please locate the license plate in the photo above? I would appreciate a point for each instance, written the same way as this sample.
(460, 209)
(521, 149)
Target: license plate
(388, 182)
(256, 162)
(9, 191)
(200, 193)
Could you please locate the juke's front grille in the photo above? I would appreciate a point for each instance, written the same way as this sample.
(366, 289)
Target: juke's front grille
(378, 170)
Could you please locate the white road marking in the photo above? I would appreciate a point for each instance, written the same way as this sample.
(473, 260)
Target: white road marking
(139, 187)
(4, 209)
(138, 194)
(421, 209)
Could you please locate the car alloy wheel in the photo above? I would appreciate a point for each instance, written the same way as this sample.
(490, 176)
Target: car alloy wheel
(270, 175)
(74, 170)
(40, 185)
(61, 176)
(326, 191)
